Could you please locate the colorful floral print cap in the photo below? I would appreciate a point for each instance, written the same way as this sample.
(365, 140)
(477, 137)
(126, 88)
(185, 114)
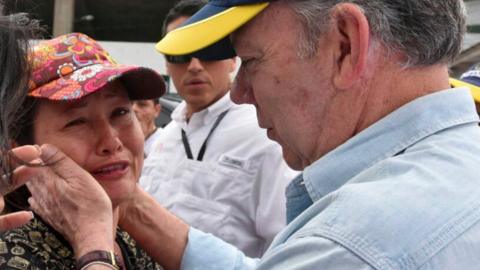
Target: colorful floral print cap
(74, 65)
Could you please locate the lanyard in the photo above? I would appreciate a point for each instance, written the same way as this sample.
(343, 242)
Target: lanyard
(186, 145)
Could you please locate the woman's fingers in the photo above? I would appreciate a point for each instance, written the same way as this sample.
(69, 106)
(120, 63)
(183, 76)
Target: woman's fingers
(16, 158)
(15, 220)
(25, 153)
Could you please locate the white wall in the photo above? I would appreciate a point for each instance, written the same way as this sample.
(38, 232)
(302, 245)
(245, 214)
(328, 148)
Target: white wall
(137, 53)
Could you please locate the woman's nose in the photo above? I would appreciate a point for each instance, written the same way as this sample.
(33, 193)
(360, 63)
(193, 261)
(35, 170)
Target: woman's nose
(108, 140)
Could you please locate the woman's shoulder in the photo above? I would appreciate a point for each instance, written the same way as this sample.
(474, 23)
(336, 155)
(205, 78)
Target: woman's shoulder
(34, 246)
(137, 257)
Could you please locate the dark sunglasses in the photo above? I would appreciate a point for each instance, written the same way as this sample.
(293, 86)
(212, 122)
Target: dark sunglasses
(186, 58)
(179, 59)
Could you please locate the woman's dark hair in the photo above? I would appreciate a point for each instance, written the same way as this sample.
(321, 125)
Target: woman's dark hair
(16, 30)
(22, 135)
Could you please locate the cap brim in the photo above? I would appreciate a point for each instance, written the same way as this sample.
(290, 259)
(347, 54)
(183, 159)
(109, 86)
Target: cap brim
(475, 90)
(140, 82)
(207, 26)
(143, 83)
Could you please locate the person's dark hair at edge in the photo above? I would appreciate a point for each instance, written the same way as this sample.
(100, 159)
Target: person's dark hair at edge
(182, 8)
(15, 32)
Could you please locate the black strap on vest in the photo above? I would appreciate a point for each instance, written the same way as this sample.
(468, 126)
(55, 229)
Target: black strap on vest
(186, 145)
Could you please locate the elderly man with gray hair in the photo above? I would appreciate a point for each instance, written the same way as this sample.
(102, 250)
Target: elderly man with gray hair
(357, 94)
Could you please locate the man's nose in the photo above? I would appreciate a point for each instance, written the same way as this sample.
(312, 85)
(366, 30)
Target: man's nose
(241, 91)
(135, 108)
(195, 65)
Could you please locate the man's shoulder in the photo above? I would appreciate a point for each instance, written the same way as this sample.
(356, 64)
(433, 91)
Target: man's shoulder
(404, 209)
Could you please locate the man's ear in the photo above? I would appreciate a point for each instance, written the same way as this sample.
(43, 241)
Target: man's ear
(158, 108)
(351, 34)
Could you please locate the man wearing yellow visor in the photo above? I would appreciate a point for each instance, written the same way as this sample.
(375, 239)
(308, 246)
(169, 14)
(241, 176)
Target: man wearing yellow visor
(213, 166)
(470, 79)
(357, 93)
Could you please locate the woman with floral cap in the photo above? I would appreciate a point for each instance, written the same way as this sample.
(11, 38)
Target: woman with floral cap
(80, 101)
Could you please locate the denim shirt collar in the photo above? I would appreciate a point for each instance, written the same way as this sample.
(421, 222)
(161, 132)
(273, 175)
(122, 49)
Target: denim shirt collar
(388, 137)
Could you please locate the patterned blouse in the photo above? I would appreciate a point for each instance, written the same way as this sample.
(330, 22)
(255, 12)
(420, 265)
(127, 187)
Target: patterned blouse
(38, 246)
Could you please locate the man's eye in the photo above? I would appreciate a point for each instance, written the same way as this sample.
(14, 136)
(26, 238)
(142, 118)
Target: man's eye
(249, 63)
(246, 61)
(141, 104)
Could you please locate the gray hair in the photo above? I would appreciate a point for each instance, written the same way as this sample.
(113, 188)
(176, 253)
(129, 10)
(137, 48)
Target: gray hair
(426, 31)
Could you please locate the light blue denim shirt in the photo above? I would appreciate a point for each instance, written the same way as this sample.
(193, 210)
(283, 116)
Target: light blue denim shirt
(298, 199)
(402, 194)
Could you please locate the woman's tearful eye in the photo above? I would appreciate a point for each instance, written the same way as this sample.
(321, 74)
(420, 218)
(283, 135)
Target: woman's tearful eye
(121, 112)
(75, 122)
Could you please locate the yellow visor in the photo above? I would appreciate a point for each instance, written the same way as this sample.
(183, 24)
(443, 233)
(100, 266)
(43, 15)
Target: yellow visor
(473, 88)
(205, 32)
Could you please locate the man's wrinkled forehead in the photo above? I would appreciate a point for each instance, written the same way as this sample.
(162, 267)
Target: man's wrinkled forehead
(265, 23)
(240, 40)
(242, 37)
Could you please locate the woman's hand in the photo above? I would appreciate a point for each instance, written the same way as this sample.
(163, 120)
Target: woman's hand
(17, 219)
(13, 220)
(69, 199)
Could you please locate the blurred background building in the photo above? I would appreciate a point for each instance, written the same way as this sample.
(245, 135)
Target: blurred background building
(471, 45)
(114, 20)
(128, 29)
